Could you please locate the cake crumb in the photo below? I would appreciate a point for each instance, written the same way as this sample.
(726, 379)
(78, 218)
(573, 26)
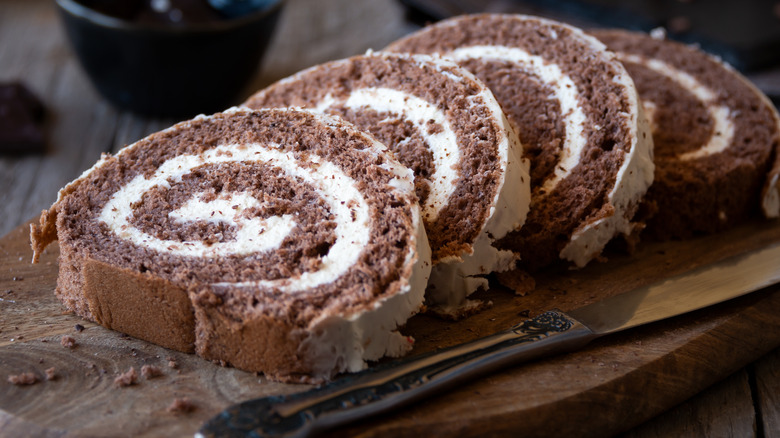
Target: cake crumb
(172, 363)
(68, 341)
(129, 377)
(518, 280)
(22, 379)
(79, 328)
(151, 371)
(181, 406)
(50, 374)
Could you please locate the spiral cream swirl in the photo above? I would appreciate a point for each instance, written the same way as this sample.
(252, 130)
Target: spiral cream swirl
(340, 192)
(723, 124)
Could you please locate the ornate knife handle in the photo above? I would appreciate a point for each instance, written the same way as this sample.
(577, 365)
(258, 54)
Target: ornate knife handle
(393, 384)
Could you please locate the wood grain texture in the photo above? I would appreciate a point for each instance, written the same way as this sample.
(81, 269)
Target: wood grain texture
(611, 386)
(767, 381)
(725, 409)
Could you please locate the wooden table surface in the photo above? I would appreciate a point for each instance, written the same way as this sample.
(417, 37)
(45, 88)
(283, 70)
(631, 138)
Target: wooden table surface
(81, 125)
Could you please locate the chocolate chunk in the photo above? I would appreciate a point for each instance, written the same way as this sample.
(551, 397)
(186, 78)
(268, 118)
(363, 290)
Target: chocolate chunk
(21, 121)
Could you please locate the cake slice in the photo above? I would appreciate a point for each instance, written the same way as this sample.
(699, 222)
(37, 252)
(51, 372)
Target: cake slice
(445, 125)
(715, 135)
(278, 241)
(578, 116)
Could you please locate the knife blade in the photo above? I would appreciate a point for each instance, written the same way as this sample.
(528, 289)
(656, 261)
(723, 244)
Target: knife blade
(394, 384)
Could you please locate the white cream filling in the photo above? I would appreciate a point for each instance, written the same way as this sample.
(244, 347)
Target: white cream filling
(443, 144)
(458, 277)
(253, 235)
(340, 192)
(723, 124)
(564, 91)
(631, 183)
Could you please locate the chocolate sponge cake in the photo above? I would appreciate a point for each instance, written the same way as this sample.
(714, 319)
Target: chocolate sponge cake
(715, 135)
(278, 241)
(577, 113)
(446, 126)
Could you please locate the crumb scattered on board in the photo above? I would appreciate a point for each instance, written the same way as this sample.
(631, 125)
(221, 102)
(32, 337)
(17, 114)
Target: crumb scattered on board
(129, 377)
(181, 406)
(151, 371)
(68, 341)
(50, 374)
(23, 379)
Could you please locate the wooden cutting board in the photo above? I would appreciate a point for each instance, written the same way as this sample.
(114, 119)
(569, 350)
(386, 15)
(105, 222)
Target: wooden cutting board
(613, 385)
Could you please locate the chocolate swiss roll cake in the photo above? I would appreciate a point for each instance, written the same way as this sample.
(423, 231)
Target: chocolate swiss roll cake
(278, 241)
(446, 126)
(715, 135)
(577, 113)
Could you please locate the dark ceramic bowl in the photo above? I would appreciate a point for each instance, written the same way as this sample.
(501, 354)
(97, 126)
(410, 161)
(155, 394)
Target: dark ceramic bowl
(169, 70)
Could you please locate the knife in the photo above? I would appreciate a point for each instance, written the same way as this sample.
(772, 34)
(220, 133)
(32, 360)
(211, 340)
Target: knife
(394, 384)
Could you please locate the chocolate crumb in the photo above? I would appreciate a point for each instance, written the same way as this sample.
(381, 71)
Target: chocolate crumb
(151, 371)
(518, 280)
(22, 124)
(18, 278)
(181, 406)
(22, 379)
(79, 327)
(129, 377)
(172, 364)
(68, 341)
(50, 374)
